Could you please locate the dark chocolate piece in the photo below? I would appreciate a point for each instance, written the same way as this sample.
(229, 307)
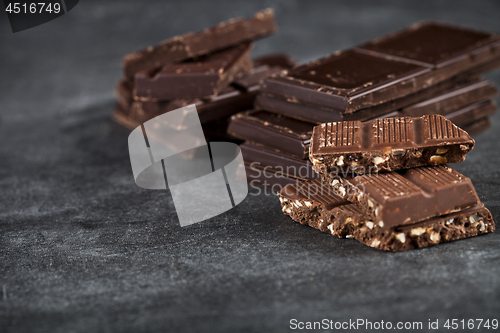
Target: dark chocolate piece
(359, 78)
(311, 203)
(408, 196)
(442, 98)
(201, 78)
(282, 133)
(454, 99)
(232, 32)
(271, 159)
(387, 144)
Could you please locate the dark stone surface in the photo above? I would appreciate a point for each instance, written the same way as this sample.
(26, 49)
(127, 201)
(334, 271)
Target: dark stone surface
(82, 249)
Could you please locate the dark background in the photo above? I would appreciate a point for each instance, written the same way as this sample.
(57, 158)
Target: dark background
(83, 249)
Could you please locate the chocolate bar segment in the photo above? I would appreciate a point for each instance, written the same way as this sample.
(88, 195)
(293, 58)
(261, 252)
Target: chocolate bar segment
(407, 196)
(388, 144)
(282, 133)
(267, 178)
(348, 81)
(201, 78)
(190, 45)
(442, 98)
(372, 74)
(438, 45)
(312, 203)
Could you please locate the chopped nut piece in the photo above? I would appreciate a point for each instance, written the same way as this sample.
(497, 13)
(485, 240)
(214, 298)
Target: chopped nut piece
(335, 182)
(375, 243)
(438, 159)
(340, 161)
(349, 236)
(369, 224)
(483, 227)
(316, 161)
(442, 150)
(475, 218)
(398, 152)
(330, 227)
(401, 237)
(435, 237)
(415, 232)
(370, 203)
(381, 224)
(378, 160)
(298, 204)
(308, 204)
(464, 147)
(342, 190)
(450, 221)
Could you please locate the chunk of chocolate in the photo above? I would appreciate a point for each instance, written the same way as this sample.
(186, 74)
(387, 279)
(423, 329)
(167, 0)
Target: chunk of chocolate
(387, 68)
(407, 196)
(268, 178)
(203, 77)
(312, 203)
(190, 45)
(442, 98)
(282, 133)
(387, 144)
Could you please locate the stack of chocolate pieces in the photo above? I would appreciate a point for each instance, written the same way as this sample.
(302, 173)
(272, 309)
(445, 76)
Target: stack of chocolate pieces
(211, 69)
(427, 69)
(386, 183)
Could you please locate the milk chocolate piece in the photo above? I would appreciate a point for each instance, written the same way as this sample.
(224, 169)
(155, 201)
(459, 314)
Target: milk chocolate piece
(190, 45)
(297, 144)
(387, 68)
(407, 196)
(282, 133)
(442, 98)
(278, 161)
(312, 203)
(201, 78)
(387, 144)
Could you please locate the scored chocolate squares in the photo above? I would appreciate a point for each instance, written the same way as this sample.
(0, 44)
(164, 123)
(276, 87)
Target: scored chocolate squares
(312, 203)
(387, 144)
(407, 196)
(202, 77)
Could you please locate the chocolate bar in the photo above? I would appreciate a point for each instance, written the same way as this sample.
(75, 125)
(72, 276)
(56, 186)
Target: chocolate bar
(387, 68)
(387, 144)
(203, 77)
(407, 196)
(442, 98)
(176, 49)
(312, 203)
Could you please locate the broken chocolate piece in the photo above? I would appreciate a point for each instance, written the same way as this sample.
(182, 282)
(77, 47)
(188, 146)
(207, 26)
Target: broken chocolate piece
(407, 196)
(190, 45)
(201, 78)
(388, 144)
(312, 203)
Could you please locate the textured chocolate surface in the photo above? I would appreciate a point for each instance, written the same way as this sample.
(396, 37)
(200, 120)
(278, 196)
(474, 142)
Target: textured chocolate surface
(350, 80)
(434, 44)
(202, 77)
(312, 203)
(407, 196)
(388, 144)
(180, 48)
